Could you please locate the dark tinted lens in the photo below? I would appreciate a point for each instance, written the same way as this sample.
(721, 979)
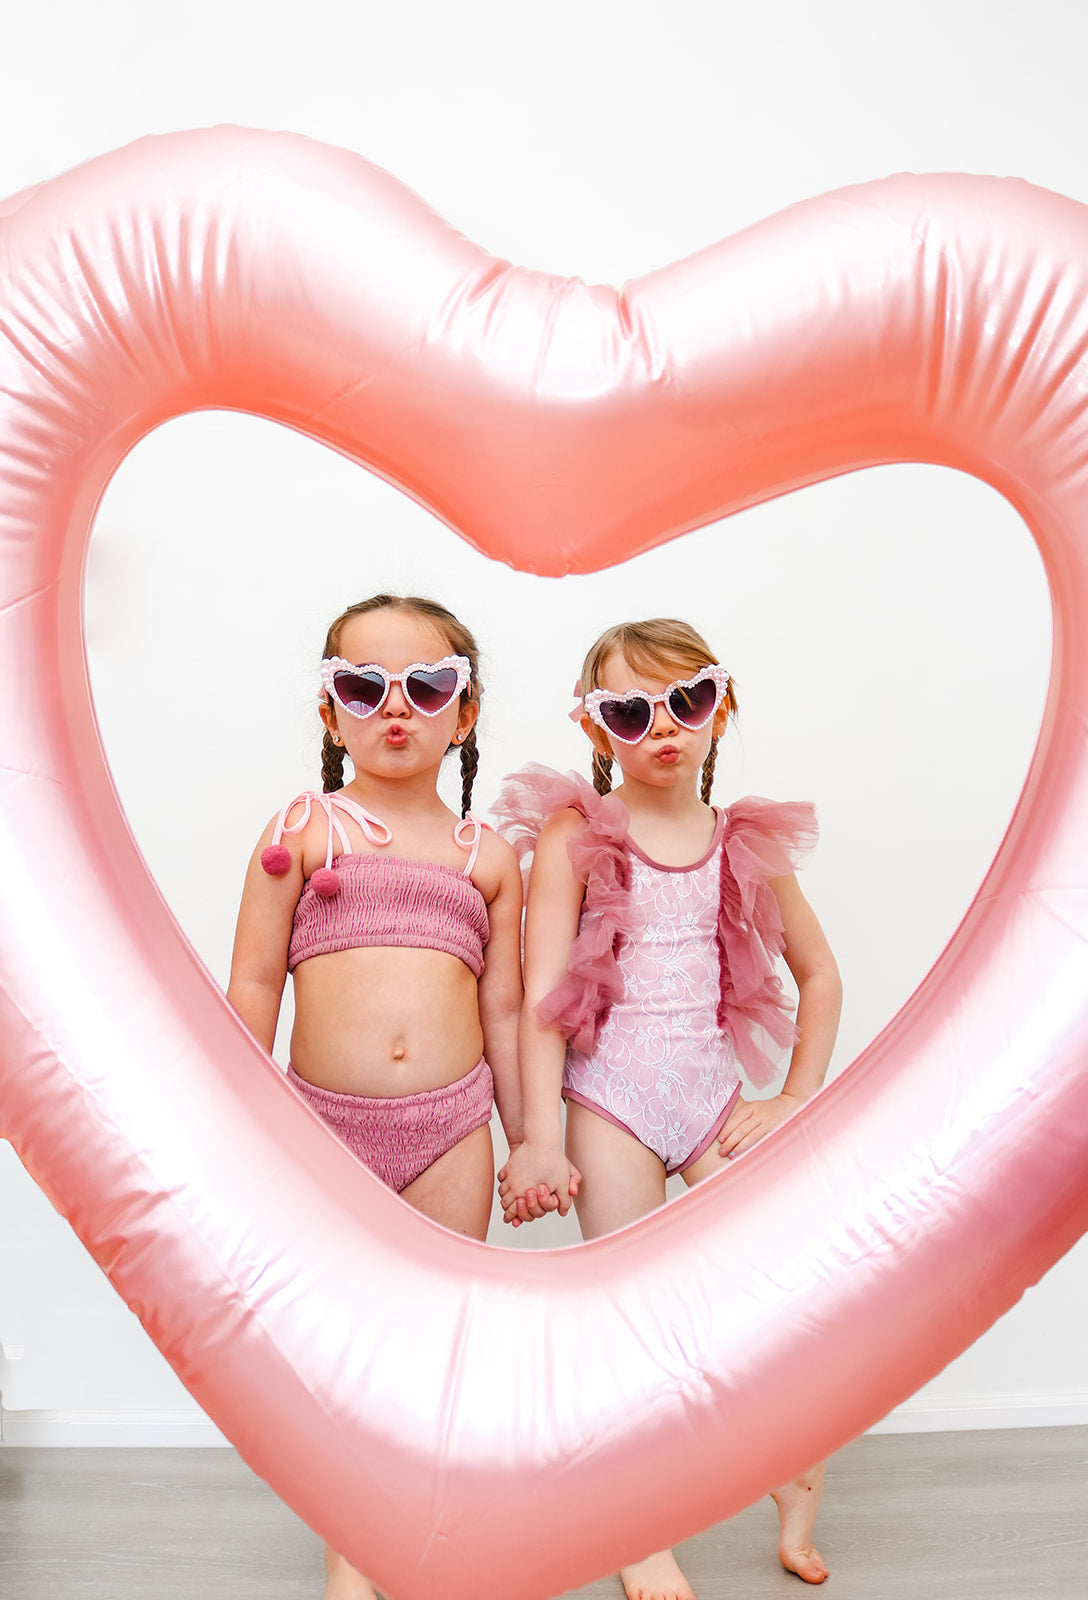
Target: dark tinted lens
(430, 691)
(627, 719)
(359, 691)
(692, 706)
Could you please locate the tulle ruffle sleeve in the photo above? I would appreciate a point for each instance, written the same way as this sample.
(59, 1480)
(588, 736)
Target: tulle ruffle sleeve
(762, 839)
(577, 1008)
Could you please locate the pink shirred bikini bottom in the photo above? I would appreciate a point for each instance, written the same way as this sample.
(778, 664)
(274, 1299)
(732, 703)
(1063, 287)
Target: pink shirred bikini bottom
(399, 1136)
(701, 1146)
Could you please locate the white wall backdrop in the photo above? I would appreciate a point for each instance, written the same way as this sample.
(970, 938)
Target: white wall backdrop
(889, 632)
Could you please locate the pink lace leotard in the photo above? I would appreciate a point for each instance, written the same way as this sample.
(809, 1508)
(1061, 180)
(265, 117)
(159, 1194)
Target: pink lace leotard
(671, 980)
(373, 899)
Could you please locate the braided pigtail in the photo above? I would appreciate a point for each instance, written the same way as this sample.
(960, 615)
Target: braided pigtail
(602, 773)
(470, 761)
(332, 764)
(708, 772)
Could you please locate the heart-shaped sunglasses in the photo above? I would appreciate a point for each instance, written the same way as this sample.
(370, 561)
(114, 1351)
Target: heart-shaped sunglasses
(689, 701)
(428, 686)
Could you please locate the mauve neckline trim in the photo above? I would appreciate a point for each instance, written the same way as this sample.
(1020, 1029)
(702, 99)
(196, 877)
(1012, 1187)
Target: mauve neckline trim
(662, 866)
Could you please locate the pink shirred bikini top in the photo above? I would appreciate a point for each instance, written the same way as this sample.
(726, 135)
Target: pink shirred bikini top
(376, 899)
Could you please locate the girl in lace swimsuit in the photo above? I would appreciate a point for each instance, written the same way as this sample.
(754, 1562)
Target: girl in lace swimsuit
(401, 925)
(654, 923)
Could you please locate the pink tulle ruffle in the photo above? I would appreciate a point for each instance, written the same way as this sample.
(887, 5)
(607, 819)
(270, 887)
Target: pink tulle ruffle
(598, 854)
(761, 840)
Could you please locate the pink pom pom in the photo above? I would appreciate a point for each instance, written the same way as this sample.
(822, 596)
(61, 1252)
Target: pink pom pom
(325, 882)
(276, 860)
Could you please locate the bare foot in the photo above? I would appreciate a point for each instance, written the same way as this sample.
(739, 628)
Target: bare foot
(656, 1578)
(798, 1503)
(343, 1582)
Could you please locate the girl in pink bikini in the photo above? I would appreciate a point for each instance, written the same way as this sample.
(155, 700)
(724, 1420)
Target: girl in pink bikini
(400, 923)
(654, 923)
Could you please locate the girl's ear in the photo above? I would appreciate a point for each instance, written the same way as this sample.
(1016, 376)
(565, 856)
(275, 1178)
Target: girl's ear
(721, 720)
(596, 736)
(327, 714)
(467, 713)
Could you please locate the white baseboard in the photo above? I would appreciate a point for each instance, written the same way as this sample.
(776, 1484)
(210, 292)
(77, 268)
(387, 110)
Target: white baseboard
(964, 1413)
(181, 1430)
(142, 1429)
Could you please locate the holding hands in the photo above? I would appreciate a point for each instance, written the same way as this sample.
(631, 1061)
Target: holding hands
(535, 1180)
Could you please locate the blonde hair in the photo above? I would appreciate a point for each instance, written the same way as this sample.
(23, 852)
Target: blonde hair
(458, 640)
(661, 647)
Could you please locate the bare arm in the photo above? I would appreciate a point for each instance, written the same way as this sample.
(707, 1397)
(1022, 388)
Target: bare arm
(555, 901)
(258, 969)
(500, 991)
(819, 989)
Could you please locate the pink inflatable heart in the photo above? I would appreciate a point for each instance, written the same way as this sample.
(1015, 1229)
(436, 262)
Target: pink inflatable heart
(465, 1421)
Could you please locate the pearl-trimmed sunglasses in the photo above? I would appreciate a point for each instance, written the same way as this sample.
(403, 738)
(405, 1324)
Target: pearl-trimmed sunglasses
(428, 686)
(689, 701)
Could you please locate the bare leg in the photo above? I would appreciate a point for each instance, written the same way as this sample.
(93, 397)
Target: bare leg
(343, 1582)
(455, 1190)
(799, 1501)
(621, 1181)
(656, 1578)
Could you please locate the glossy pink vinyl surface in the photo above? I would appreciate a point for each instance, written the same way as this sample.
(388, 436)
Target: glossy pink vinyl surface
(458, 1419)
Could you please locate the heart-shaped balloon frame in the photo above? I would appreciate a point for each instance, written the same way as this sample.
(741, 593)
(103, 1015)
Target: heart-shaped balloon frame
(456, 1419)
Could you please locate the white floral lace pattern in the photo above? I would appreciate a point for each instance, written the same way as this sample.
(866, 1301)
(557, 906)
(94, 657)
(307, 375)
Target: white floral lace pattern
(662, 1066)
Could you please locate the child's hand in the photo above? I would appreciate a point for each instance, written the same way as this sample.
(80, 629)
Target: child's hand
(750, 1120)
(535, 1180)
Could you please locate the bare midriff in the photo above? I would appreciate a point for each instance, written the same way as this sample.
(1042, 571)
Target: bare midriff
(385, 1021)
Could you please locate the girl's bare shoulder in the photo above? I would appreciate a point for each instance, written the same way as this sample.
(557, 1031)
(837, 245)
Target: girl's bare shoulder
(309, 837)
(496, 866)
(561, 827)
(496, 853)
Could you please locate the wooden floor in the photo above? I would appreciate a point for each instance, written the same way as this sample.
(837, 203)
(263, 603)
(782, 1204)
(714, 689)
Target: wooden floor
(906, 1517)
